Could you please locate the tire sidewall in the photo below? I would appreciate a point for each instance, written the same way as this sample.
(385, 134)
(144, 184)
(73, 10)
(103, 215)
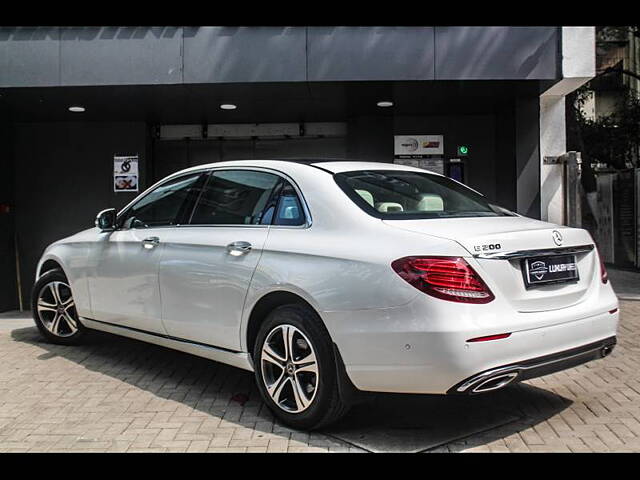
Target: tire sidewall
(48, 277)
(306, 321)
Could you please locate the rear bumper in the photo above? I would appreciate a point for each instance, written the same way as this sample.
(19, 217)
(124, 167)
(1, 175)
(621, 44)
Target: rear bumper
(402, 350)
(499, 377)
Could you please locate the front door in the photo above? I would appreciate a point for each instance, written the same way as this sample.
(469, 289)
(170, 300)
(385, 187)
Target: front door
(124, 284)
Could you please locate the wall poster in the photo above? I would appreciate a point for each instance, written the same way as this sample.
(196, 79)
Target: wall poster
(125, 173)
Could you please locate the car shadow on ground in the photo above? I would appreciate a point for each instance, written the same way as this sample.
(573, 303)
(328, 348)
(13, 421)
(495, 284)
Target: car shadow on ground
(385, 423)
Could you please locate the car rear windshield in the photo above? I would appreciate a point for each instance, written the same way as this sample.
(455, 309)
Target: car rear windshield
(405, 194)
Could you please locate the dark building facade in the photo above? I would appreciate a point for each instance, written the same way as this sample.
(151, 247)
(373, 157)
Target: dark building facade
(156, 92)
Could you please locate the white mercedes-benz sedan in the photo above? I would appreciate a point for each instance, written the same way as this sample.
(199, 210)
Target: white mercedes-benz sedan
(332, 279)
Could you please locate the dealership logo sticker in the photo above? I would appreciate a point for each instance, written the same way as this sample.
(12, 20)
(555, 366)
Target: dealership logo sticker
(557, 237)
(538, 269)
(125, 173)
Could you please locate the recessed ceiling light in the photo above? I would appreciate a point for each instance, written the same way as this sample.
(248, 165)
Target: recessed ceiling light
(385, 103)
(228, 106)
(76, 108)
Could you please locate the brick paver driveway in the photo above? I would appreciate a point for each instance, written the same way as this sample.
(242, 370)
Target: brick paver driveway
(116, 394)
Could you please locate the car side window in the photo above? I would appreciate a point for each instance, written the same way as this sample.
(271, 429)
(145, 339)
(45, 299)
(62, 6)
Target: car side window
(234, 197)
(289, 208)
(166, 205)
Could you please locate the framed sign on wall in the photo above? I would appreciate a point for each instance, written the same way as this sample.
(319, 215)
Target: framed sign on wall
(422, 151)
(125, 173)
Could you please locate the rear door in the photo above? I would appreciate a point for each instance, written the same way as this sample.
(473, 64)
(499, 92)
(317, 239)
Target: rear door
(206, 266)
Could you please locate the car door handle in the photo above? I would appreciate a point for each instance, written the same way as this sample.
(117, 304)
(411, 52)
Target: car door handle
(150, 242)
(239, 248)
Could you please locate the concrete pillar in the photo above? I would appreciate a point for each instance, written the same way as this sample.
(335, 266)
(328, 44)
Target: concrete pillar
(578, 67)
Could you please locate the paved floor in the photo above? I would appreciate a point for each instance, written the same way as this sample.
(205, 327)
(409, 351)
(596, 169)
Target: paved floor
(115, 394)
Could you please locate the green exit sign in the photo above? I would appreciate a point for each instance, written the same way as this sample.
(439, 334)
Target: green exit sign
(463, 150)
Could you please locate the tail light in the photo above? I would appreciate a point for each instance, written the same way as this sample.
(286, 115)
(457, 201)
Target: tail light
(448, 278)
(604, 276)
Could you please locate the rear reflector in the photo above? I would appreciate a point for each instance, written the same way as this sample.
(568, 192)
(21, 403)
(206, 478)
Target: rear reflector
(448, 278)
(489, 337)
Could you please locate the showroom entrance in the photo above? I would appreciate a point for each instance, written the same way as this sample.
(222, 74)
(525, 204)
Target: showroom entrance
(176, 147)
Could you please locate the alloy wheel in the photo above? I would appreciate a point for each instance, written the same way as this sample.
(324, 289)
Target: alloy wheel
(289, 368)
(56, 309)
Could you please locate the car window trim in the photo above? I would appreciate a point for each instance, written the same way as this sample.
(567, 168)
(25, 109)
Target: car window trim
(273, 200)
(209, 171)
(202, 180)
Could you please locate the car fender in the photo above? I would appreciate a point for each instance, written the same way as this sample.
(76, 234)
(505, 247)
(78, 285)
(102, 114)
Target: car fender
(73, 259)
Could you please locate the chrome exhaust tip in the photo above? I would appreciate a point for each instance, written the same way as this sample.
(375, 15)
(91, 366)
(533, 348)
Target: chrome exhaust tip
(488, 381)
(494, 383)
(606, 351)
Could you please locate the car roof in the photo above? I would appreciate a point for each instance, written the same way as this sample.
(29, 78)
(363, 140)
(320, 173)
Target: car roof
(329, 165)
(349, 166)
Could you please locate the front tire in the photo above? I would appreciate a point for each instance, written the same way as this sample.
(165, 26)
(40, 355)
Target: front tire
(295, 368)
(54, 309)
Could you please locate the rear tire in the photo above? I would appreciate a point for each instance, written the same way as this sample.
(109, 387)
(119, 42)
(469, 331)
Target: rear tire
(54, 310)
(295, 368)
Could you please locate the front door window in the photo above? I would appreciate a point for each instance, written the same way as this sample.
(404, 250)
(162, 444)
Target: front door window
(167, 205)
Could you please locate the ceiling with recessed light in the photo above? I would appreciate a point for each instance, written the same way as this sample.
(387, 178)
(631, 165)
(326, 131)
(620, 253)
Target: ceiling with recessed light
(258, 102)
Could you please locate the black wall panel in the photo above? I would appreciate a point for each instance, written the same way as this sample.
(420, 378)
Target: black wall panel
(63, 177)
(8, 290)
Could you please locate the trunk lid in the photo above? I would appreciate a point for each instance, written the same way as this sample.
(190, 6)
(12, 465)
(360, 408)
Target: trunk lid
(498, 235)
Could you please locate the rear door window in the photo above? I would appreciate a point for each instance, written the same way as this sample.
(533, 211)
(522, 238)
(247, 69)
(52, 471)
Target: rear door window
(234, 197)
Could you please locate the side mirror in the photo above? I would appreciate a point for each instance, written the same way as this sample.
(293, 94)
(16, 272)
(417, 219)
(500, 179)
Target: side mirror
(106, 220)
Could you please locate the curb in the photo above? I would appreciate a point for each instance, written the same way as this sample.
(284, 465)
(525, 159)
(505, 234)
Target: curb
(629, 297)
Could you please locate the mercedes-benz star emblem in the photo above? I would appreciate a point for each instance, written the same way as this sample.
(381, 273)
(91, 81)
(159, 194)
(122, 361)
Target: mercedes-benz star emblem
(557, 237)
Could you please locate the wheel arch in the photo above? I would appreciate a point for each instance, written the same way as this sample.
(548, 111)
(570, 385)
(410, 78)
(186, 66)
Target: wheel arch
(266, 304)
(49, 263)
(274, 299)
